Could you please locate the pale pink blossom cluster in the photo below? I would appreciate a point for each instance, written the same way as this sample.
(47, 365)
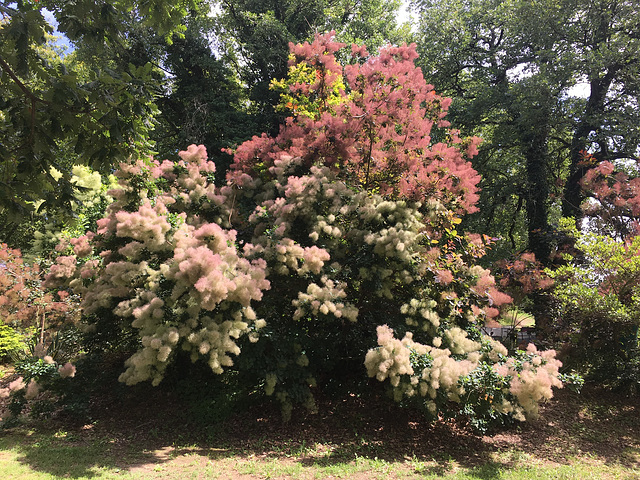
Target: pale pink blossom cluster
(444, 277)
(189, 184)
(532, 383)
(445, 373)
(394, 226)
(287, 198)
(196, 155)
(81, 245)
(392, 360)
(288, 256)
(64, 268)
(68, 370)
(33, 389)
(206, 272)
(211, 284)
(14, 386)
(459, 343)
(421, 313)
(486, 286)
(529, 383)
(148, 225)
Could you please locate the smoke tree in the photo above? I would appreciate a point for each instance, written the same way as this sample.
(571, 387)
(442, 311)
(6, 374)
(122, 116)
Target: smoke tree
(24, 303)
(612, 206)
(330, 255)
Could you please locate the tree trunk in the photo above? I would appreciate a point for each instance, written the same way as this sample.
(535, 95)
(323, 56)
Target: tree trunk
(42, 325)
(538, 197)
(589, 122)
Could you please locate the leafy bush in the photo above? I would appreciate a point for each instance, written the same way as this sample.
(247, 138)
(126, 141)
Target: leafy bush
(10, 342)
(41, 382)
(599, 290)
(90, 201)
(24, 302)
(284, 277)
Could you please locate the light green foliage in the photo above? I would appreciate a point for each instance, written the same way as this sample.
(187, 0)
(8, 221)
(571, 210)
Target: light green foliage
(91, 198)
(10, 342)
(604, 278)
(599, 289)
(256, 33)
(313, 104)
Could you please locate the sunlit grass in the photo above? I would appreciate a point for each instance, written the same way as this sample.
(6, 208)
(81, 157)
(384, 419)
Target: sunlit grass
(27, 455)
(517, 318)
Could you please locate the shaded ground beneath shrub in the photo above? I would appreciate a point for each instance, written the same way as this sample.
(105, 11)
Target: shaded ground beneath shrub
(154, 433)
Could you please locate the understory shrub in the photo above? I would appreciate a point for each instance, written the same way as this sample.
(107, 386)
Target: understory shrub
(330, 255)
(599, 291)
(11, 342)
(24, 301)
(41, 383)
(38, 334)
(598, 288)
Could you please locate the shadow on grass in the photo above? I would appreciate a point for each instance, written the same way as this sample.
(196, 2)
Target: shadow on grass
(125, 437)
(66, 458)
(598, 424)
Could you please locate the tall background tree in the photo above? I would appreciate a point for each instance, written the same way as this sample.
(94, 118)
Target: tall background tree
(97, 110)
(202, 100)
(604, 35)
(514, 85)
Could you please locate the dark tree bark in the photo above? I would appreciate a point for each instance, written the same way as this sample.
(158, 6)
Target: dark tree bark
(535, 152)
(573, 195)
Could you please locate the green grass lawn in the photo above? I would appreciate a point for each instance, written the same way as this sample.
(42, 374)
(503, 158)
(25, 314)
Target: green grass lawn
(591, 436)
(518, 318)
(35, 456)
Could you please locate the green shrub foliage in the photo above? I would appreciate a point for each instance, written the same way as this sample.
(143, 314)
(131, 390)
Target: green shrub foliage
(331, 254)
(599, 293)
(10, 342)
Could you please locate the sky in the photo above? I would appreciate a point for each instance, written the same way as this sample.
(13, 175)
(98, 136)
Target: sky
(61, 40)
(404, 15)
